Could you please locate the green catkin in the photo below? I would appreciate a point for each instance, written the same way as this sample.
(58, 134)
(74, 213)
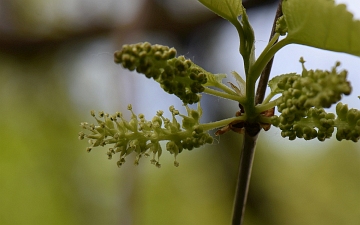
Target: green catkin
(143, 137)
(176, 75)
(303, 99)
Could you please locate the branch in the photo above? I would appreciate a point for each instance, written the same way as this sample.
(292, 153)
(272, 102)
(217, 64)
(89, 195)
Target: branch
(248, 148)
(246, 161)
(264, 78)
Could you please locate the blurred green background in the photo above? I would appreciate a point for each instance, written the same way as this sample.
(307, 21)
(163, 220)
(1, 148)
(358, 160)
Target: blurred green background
(56, 65)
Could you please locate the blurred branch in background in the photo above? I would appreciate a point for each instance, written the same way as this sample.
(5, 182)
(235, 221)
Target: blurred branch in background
(36, 23)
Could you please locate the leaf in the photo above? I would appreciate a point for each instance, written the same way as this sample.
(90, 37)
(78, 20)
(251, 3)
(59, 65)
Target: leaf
(322, 24)
(240, 81)
(228, 9)
(249, 58)
(273, 83)
(214, 79)
(236, 89)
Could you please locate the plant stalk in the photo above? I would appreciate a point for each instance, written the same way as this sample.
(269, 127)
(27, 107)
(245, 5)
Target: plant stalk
(249, 142)
(242, 189)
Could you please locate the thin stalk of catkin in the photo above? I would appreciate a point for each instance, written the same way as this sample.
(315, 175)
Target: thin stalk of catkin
(249, 143)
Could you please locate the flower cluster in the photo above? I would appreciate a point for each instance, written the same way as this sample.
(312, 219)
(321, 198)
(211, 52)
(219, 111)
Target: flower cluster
(177, 76)
(303, 99)
(143, 136)
(347, 123)
(305, 126)
(281, 26)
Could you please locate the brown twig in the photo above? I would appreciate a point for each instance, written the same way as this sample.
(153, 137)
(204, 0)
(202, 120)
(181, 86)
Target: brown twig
(264, 78)
(242, 187)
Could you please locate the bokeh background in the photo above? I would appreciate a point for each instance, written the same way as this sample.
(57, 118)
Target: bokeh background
(56, 65)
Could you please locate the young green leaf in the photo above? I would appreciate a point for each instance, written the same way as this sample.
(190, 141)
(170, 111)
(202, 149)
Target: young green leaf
(228, 9)
(239, 80)
(247, 49)
(322, 24)
(277, 84)
(214, 79)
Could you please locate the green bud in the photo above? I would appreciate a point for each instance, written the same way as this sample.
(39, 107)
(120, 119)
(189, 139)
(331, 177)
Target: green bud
(281, 26)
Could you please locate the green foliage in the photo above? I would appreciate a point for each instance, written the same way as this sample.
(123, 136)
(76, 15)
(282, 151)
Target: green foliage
(322, 24)
(247, 47)
(142, 136)
(228, 9)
